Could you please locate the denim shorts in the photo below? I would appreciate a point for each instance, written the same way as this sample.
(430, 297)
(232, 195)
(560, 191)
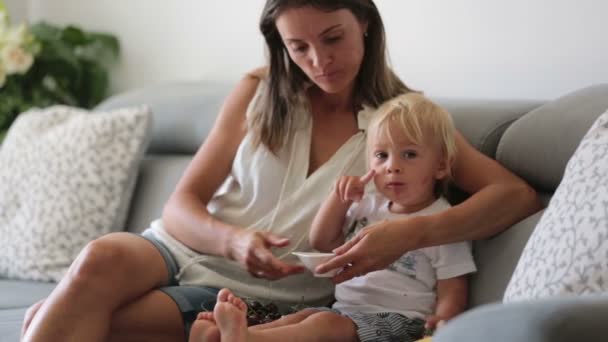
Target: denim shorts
(189, 299)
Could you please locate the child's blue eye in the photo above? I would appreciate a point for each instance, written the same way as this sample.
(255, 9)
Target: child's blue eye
(409, 154)
(380, 155)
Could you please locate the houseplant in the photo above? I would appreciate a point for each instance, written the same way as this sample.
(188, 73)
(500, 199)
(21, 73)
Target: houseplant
(44, 64)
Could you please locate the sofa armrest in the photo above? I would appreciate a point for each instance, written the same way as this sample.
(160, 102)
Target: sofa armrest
(554, 320)
(483, 122)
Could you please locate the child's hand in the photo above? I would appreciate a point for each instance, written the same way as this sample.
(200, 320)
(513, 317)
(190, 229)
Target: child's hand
(432, 324)
(352, 188)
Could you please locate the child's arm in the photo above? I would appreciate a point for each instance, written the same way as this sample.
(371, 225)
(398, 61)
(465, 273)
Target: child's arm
(326, 231)
(452, 296)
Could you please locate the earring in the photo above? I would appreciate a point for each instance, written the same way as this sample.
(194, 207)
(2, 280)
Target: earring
(365, 34)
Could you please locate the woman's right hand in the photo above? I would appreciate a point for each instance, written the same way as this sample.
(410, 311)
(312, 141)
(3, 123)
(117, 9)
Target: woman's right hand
(251, 249)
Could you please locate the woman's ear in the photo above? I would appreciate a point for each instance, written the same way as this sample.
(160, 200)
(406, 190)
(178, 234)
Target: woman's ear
(364, 25)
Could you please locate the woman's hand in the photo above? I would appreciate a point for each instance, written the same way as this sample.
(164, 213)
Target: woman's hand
(373, 248)
(251, 249)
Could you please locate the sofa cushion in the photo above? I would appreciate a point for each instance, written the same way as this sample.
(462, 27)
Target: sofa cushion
(496, 258)
(158, 175)
(10, 324)
(551, 320)
(484, 122)
(538, 146)
(184, 112)
(566, 254)
(67, 177)
(22, 293)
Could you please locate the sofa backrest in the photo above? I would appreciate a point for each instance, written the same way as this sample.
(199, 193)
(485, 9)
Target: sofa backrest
(536, 147)
(184, 113)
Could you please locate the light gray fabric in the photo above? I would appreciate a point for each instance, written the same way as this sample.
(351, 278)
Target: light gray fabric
(10, 324)
(67, 176)
(566, 254)
(184, 112)
(158, 175)
(483, 122)
(556, 320)
(22, 293)
(496, 259)
(538, 146)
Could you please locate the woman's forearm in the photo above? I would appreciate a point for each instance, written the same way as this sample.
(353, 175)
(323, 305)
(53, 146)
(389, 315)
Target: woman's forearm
(186, 218)
(487, 212)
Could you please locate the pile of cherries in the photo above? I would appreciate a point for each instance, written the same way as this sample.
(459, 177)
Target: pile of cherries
(258, 313)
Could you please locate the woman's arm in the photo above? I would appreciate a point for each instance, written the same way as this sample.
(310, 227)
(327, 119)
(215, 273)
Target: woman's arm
(185, 215)
(499, 199)
(451, 300)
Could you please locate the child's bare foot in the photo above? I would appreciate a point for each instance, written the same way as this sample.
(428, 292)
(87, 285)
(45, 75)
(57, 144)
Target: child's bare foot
(204, 329)
(230, 314)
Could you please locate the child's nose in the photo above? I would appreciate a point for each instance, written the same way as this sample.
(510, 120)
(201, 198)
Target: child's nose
(394, 169)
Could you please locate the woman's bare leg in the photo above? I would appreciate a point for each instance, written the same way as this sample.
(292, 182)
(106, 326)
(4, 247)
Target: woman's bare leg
(109, 273)
(152, 318)
(230, 316)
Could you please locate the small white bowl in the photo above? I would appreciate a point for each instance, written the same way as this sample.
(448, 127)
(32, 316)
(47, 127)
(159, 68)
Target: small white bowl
(313, 259)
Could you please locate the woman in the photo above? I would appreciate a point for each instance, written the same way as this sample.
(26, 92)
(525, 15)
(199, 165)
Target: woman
(249, 195)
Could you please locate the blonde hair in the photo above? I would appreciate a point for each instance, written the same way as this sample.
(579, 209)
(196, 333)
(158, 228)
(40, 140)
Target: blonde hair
(421, 121)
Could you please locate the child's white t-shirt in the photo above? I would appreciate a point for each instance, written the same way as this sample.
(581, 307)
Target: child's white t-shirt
(408, 286)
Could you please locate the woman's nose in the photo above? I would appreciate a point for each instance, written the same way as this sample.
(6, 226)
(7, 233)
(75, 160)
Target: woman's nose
(320, 58)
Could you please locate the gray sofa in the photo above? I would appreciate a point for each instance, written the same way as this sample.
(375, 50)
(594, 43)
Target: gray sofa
(533, 139)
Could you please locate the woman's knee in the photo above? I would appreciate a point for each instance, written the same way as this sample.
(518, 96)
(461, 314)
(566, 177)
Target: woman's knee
(103, 259)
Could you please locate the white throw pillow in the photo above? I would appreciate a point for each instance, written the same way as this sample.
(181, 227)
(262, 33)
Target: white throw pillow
(567, 254)
(66, 178)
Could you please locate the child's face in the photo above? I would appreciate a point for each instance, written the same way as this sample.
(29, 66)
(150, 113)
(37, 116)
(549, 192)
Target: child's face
(405, 172)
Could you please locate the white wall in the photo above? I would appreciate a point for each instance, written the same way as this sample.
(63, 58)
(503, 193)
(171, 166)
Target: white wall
(468, 48)
(18, 10)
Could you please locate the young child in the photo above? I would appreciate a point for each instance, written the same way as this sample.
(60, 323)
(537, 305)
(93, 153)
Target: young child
(410, 149)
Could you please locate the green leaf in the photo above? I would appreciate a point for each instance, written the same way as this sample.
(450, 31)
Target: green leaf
(46, 32)
(74, 36)
(70, 67)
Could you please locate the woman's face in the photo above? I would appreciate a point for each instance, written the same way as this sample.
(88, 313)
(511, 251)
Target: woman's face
(327, 46)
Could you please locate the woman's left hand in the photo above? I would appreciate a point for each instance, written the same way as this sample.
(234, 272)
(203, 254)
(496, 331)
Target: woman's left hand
(373, 248)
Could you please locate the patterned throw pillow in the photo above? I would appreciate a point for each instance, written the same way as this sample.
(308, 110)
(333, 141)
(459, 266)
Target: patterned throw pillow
(66, 178)
(568, 251)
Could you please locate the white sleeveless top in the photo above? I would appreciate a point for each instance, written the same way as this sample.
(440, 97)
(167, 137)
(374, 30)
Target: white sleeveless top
(272, 193)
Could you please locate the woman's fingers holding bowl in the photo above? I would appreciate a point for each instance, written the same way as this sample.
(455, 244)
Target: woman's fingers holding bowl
(269, 266)
(343, 261)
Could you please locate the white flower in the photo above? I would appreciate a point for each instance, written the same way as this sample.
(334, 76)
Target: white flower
(15, 59)
(18, 35)
(3, 22)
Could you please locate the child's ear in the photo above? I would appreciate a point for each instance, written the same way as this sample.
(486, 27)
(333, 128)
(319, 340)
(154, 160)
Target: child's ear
(443, 169)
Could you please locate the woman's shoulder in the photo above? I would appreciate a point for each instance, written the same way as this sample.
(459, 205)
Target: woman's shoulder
(260, 73)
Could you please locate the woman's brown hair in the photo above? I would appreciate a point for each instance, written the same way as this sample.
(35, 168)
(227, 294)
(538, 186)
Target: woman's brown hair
(375, 83)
